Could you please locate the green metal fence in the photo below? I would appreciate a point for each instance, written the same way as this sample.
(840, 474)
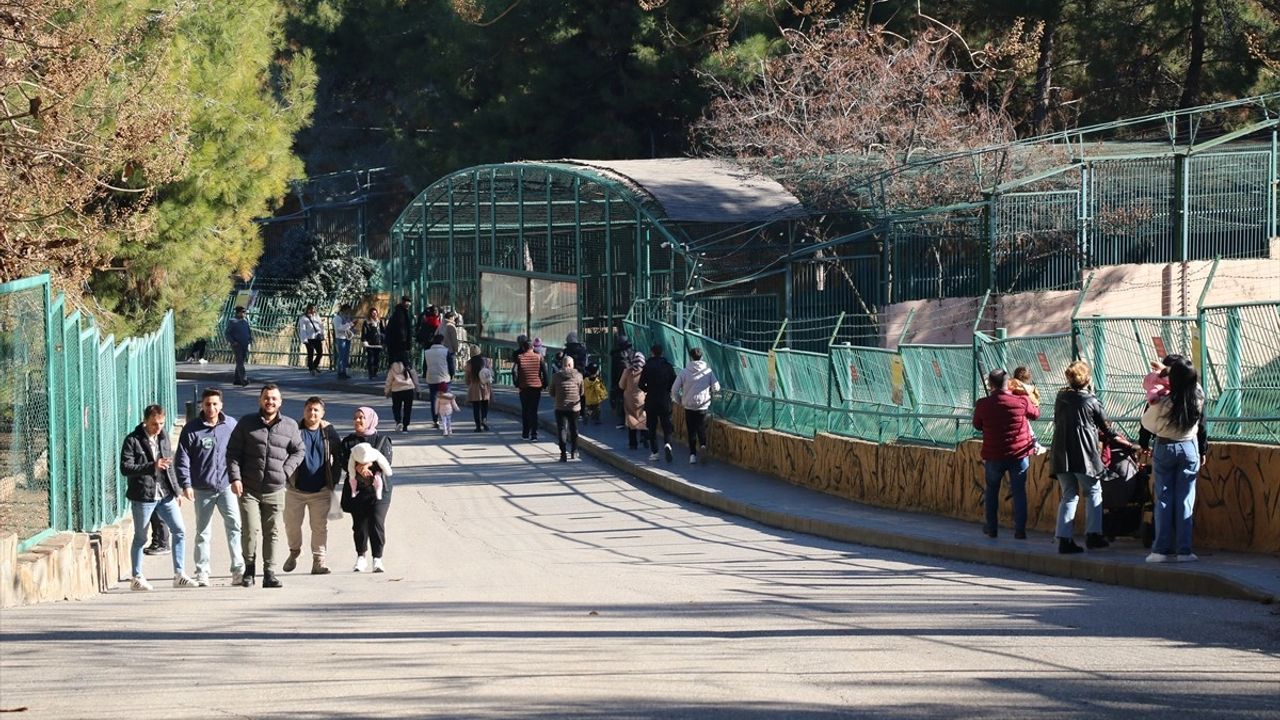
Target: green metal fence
(1240, 349)
(68, 396)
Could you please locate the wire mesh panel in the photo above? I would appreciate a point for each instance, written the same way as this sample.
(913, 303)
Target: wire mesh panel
(1044, 356)
(869, 387)
(1227, 204)
(1132, 204)
(1120, 351)
(70, 420)
(1036, 238)
(940, 379)
(671, 339)
(937, 256)
(24, 410)
(804, 383)
(91, 476)
(1242, 354)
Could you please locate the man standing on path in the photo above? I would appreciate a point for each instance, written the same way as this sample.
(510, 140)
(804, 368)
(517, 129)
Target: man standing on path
(343, 330)
(1007, 445)
(656, 381)
(264, 450)
(240, 336)
(693, 389)
(310, 487)
(400, 332)
(201, 463)
(311, 333)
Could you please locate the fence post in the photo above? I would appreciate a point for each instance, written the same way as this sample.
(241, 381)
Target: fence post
(1233, 406)
(1099, 359)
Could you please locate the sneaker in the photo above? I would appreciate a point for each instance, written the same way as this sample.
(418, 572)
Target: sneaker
(666, 450)
(320, 569)
(156, 550)
(377, 565)
(360, 564)
(693, 459)
(292, 561)
(653, 457)
(1156, 557)
(140, 583)
(182, 581)
(564, 457)
(1190, 557)
(399, 427)
(202, 579)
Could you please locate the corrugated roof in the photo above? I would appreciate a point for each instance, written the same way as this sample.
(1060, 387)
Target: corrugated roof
(703, 190)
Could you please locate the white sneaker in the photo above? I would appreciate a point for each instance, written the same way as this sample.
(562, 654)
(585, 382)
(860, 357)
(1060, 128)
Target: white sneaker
(399, 427)
(653, 457)
(202, 579)
(666, 450)
(182, 581)
(360, 564)
(237, 578)
(1188, 558)
(693, 459)
(377, 565)
(1156, 557)
(140, 583)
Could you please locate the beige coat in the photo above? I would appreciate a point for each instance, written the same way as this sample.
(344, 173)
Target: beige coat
(632, 399)
(478, 390)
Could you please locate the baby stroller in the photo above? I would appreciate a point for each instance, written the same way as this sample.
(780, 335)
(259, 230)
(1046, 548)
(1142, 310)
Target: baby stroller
(1126, 495)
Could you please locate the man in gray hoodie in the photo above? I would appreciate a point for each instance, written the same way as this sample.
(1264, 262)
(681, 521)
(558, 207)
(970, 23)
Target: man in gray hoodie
(264, 450)
(693, 389)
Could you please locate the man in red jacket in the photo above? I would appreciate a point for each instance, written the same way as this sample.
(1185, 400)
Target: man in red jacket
(1003, 418)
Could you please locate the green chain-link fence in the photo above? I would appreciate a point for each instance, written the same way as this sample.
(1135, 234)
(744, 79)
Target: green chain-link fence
(68, 396)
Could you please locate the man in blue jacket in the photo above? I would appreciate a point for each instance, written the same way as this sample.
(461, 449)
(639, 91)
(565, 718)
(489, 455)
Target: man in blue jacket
(201, 462)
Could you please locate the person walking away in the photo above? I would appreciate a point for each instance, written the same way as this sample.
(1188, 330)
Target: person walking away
(693, 390)
(343, 331)
(1176, 421)
(201, 462)
(311, 333)
(428, 327)
(1020, 384)
(594, 393)
(400, 332)
(401, 387)
(264, 450)
(369, 513)
(1076, 458)
(573, 348)
(438, 371)
(240, 337)
(1004, 418)
(373, 335)
(446, 404)
(656, 381)
(310, 488)
(567, 392)
(633, 399)
(147, 464)
(530, 376)
(619, 361)
(479, 378)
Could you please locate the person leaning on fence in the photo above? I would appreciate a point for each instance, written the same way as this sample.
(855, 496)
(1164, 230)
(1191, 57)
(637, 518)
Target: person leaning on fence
(240, 337)
(656, 382)
(311, 333)
(201, 462)
(264, 450)
(147, 464)
(1003, 419)
(633, 399)
(343, 331)
(373, 335)
(529, 374)
(693, 389)
(1176, 421)
(567, 391)
(310, 487)
(1076, 458)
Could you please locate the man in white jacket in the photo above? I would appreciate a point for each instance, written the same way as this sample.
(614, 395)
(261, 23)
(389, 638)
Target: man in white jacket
(439, 366)
(693, 389)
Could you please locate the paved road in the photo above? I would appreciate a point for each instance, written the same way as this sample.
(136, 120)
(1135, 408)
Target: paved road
(521, 587)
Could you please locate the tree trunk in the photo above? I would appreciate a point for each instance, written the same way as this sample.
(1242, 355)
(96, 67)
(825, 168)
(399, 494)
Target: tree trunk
(1195, 64)
(1044, 68)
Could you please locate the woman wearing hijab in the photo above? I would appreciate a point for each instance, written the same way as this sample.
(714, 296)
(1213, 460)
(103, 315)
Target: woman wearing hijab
(368, 511)
(633, 399)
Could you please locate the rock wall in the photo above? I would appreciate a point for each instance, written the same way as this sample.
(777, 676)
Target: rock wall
(66, 566)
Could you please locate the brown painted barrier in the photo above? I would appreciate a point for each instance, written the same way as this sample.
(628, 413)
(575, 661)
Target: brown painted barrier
(1237, 494)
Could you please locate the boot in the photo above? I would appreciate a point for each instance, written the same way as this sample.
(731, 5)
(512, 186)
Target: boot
(249, 570)
(269, 580)
(1068, 546)
(1095, 541)
(291, 562)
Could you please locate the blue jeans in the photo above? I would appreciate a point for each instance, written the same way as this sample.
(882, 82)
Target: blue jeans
(1176, 467)
(229, 508)
(995, 470)
(344, 354)
(169, 515)
(1071, 482)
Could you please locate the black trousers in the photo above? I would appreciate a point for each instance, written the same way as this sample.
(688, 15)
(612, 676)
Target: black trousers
(653, 418)
(159, 532)
(480, 411)
(315, 351)
(241, 353)
(567, 430)
(529, 400)
(369, 527)
(373, 360)
(696, 423)
(402, 407)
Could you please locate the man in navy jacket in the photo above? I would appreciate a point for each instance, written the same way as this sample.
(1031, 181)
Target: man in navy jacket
(201, 463)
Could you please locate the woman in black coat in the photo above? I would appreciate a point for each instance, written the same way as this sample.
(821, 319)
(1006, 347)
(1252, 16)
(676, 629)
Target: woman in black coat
(1076, 458)
(368, 514)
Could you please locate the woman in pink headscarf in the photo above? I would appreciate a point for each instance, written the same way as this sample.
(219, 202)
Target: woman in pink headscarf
(368, 510)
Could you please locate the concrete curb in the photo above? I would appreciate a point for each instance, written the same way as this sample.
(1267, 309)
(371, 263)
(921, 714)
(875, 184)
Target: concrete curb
(1160, 577)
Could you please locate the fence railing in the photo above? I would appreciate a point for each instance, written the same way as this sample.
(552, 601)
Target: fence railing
(68, 396)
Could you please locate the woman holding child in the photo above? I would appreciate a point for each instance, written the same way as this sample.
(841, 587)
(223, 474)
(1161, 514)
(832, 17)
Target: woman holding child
(366, 490)
(1174, 418)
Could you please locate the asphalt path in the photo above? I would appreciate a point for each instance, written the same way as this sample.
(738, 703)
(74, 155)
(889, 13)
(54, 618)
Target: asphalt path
(521, 587)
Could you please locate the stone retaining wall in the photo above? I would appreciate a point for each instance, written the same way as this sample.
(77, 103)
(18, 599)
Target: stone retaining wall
(66, 566)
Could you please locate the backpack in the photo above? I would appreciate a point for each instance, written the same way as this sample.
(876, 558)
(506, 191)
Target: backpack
(595, 392)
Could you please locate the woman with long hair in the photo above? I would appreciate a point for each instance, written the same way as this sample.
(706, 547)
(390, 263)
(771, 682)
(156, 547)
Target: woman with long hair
(479, 378)
(401, 386)
(1175, 422)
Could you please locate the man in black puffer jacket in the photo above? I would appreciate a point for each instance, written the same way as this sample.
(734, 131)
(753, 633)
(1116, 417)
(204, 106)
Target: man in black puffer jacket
(146, 461)
(264, 450)
(656, 380)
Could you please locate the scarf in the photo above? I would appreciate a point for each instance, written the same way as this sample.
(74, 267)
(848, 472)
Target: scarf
(370, 421)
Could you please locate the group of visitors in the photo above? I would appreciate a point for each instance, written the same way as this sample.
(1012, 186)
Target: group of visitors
(260, 472)
(1172, 438)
